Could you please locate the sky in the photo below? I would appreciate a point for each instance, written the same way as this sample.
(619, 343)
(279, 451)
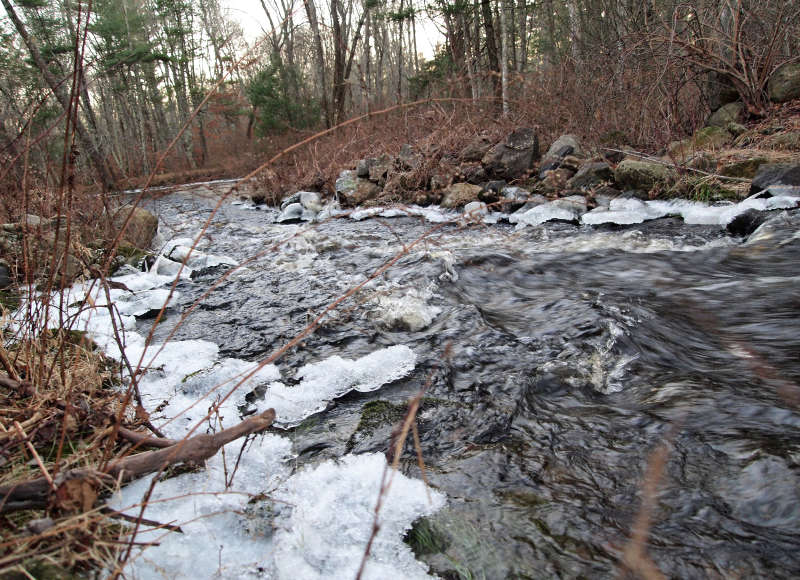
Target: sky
(250, 16)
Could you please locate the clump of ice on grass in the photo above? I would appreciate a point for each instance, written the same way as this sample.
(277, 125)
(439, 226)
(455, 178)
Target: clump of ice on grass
(222, 537)
(325, 531)
(333, 377)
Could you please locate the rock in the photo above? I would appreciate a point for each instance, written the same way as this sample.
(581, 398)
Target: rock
(776, 178)
(362, 168)
(355, 190)
(409, 157)
(555, 180)
(473, 173)
(516, 197)
(289, 200)
(439, 181)
(574, 203)
(566, 145)
(379, 169)
(736, 129)
(141, 229)
(643, 175)
(746, 223)
(746, 168)
(491, 191)
(703, 139)
(604, 195)
(533, 201)
(310, 200)
(720, 90)
(591, 174)
(292, 213)
(476, 149)
(475, 210)
(730, 113)
(5, 275)
(784, 84)
(513, 157)
(460, 194)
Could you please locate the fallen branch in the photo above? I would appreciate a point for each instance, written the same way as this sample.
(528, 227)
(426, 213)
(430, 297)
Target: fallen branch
(38, 493)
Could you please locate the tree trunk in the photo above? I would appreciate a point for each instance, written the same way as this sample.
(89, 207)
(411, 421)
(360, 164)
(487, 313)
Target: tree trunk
(319, 59)
(504, 54)
(491, 49)
(86, 139)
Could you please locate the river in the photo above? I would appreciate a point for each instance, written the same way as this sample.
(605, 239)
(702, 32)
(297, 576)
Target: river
(560, 365)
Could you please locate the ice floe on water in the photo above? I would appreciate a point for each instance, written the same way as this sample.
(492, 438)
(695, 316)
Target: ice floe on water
(314, 524)
(324, 531)
(408, 310)
(328, 379)
(634, 211)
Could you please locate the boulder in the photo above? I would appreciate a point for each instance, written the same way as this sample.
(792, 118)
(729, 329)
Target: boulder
(514, 198)
(460, 194)
(574, 203)
(707, 138)
(643, 175)
(141, 229)
(476, 149)
(591, 174)
(784, 84)
(409, 158)
(513, 157)
(473, 173)
(533, 201)
(730, 113)
(746, 168)
(604, 195)
(746, 223)
(379, 169)
(562, 147)
(776, 179)
(555, 180)
(5, 275)
(354, 190)
(291, 213)
(310, 200)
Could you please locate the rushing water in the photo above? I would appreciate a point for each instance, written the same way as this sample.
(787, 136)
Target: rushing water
(557, 359)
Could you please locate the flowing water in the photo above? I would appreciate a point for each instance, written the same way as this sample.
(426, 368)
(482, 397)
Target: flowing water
(556, 361)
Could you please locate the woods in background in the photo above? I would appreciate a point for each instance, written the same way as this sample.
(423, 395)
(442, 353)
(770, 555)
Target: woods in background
(128, 74)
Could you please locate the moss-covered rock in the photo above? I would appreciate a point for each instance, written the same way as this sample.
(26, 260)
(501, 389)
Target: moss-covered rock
(730, 113)
(705, 139)
(746, 168)
(789, 141)
(643, 175)
(784, 84)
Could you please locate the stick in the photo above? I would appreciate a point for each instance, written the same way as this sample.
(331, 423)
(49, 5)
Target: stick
(37, 492)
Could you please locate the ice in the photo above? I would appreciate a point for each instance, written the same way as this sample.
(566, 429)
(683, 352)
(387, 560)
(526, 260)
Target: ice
(333, 377)
(408, 311)
(325, 532)
(633, 211)
(432, 214)
(541, 214)
(222, 537)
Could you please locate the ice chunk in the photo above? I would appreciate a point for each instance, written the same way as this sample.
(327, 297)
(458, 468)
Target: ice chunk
(409, 311)
(333, 377)
(222, 536)
(541, 214)
(325, 533)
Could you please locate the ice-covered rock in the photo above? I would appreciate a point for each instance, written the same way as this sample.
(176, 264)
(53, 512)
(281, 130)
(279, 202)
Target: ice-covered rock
(410, 311)
(541, 214)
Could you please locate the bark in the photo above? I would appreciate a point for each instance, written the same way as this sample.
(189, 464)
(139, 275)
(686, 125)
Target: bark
(40, 493)
(504, 54)
(491, 48)
(319, 59)
(56, 87)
